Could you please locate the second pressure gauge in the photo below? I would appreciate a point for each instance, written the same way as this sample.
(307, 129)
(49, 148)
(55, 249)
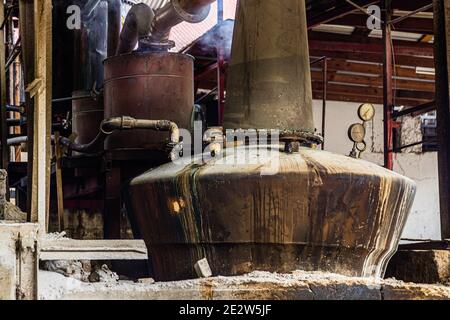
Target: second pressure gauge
(357, 133)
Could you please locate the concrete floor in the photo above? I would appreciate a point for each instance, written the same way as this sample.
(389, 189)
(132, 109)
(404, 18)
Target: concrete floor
(255, 286)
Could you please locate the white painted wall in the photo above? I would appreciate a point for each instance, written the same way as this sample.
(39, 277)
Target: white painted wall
(424, 221)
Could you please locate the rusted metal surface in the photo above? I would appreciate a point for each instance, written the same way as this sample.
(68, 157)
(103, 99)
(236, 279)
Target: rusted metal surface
(388, 97)
(87, 117)
(269, 77)
(149, 86)
(320, 212)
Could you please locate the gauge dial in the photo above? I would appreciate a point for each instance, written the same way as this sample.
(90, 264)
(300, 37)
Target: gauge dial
(366, 112)
(362, 146)
(357, 133)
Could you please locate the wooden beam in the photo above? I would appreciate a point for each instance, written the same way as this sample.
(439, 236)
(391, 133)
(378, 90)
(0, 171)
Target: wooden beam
(420, 49)
(93, 250)
(400, 84)
(414, 25)
(401, 60)
(371, 91)
(375, 69)
(442, 53)
(337, 12)
(364, 99)
(40, 89)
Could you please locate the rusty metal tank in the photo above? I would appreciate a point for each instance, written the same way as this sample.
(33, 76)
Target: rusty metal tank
(321, 211)
(317, 211)
(87, 115)
(148, 85)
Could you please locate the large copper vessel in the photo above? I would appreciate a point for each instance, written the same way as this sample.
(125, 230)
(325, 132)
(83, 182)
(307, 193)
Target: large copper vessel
(318, 212)
(154, 86)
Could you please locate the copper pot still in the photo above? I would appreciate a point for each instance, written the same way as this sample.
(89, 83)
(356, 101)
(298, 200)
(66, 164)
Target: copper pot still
(148, 85)
(320, 212)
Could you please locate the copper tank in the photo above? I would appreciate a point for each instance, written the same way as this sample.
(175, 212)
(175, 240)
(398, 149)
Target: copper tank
(319, 212)
(155, 86)
(87, 117)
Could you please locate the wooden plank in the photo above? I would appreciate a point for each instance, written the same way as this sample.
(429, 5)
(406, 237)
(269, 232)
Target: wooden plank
(424, 50)
(401, 60)
(413, 24)
(365, 99)
(59, 184)
(375, 69)
(371, 91)
(338, 12)
(374, 81)
(40, 89)
(93, 250)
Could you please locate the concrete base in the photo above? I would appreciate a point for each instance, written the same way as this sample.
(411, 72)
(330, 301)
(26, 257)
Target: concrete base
(256, 286)
(18, 261)
(421, 266)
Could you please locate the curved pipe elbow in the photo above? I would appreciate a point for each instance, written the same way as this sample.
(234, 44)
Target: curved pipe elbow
(175, 12)
(137, 25)
(108, 126)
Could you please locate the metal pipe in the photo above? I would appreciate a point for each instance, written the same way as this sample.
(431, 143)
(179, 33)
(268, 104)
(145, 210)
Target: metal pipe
(175, 12)
(71, 98)
(137, 25)
(109, 126)
(17, 141)
(114, 21)
(416, 111)
(19, 109)
(114, 24)
(324, 101)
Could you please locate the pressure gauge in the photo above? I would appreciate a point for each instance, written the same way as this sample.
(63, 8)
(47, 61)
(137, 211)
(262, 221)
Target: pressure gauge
(366, 112)
(357, 133)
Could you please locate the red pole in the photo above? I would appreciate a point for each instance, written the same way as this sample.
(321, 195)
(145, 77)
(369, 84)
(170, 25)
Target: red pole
(388, 98)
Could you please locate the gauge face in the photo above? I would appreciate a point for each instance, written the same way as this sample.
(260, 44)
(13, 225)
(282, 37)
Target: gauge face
(366, 112)
(357, 133)
(361, 146)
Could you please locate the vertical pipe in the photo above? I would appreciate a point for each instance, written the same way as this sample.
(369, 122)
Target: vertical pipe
(3, 113)
(219, 11)
(388, 101)
(324, 101)
(441, 24)
(220, 66)
(26, 12)
(114, 22)
(221, 83)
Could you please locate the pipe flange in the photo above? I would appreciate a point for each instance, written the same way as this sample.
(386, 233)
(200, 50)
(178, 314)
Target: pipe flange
(147, 44)
(300, 136)
(191, 17)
